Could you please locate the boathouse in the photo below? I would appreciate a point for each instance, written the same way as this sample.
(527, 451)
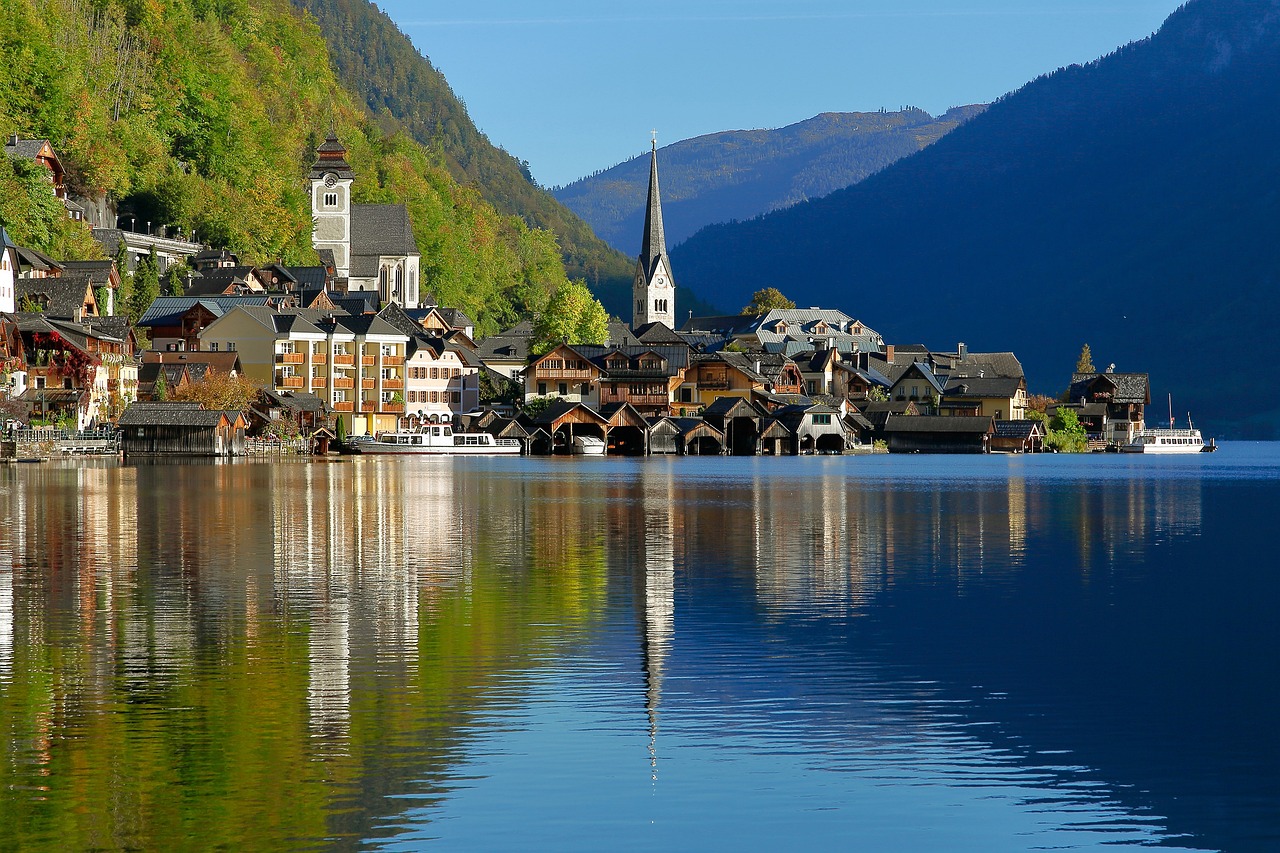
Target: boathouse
(180, 429)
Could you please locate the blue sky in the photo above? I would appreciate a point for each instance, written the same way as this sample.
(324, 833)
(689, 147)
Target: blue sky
(574, 86)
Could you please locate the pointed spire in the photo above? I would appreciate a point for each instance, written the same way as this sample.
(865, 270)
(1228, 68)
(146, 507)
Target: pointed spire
(654, 245)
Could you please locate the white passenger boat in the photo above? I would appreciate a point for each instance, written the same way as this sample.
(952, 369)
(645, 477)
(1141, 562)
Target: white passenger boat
(1170, 440)
(441, 440)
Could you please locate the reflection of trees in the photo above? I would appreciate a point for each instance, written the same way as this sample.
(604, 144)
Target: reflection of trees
(268, 649)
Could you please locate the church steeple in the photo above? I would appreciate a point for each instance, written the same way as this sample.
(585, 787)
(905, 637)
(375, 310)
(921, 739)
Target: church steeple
(653, 287)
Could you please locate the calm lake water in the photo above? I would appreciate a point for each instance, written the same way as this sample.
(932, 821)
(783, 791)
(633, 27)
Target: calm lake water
(881, 654)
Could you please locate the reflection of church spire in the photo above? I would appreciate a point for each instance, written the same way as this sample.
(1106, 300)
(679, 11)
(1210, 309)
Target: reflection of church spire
(659, 608)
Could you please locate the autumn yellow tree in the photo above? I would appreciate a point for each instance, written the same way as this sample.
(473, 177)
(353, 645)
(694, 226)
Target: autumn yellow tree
(218, 391)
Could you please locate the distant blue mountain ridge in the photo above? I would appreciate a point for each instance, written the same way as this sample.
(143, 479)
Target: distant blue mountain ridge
(740, 174)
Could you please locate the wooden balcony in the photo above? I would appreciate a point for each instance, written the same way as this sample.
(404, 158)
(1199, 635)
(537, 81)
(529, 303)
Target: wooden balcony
(638, 400)
(342, 382)
(369, 406)
(344, 360)
(393, 384)
(289, 358)
(343, 407)
(393, 360)
(368, 383)
(557, 375)
(713, 384)
(290, 382)
(393, 407)
(319, 358)
(368, 359)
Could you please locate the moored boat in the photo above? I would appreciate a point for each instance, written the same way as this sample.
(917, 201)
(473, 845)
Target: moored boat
(1168, 441)
(440, 440)
(587, 445)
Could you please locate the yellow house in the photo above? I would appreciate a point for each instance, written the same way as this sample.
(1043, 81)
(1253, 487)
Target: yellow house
(1001, 397)
(355, 364)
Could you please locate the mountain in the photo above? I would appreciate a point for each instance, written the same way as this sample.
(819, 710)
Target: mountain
(1131, 203)
(740, 174)
(402, 90)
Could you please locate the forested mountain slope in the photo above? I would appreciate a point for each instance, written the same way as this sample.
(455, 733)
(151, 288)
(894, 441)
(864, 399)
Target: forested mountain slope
(206, 116)
(1131, 203)
(740, 174)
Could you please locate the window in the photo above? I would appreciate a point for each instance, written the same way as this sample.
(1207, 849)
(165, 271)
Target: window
(330, 199)
(213, 346)
(584, 389)
(388, 373)
(822, 420)
(542, 389)
(564, 389)
(456, 398)
(686, 395)
(231, 346)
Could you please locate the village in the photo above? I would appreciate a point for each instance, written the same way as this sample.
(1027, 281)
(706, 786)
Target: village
(349, 349)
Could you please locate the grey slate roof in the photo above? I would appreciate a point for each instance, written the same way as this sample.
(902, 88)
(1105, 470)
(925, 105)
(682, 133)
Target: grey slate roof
(380, 230)
(65, 294)
(989, 386)
(653, 243)
(169, 414)
(509, 345)
(676, 357)
(1129, 387)
(27, 149)
(658, 333)
(299, 401)
(1018, 429)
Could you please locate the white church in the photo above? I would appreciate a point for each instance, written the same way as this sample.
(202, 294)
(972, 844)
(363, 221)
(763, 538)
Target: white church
(372, 245)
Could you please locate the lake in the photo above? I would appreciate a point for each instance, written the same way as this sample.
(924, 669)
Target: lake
(887, 653)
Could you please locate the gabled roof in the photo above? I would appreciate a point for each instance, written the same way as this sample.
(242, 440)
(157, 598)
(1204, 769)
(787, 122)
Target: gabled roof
(65, 294)
(298, 401)
(1019, 429)
(356, 301)
(35, 259)
(361, 324)
(380, 230)
(973, 387)
(922, 369)
(310, 278)
(510, 345)
(658, 333)
(222, 362)
(559, 408)
(170, 414)
(1128, 387)
(737, 407)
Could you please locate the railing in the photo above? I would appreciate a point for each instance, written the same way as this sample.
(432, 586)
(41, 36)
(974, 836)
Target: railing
(273, 447)
(319, 358)
(39, 434)
(636, 399)
(289, 358)
(344, 360)
(368, 383)
(393, 407)
(369, 406)
(393, 360)
(343, 382)
(393, 384)
(714, 385)
(368, 359)
(343, 407)
(290, 382)
(562, 374)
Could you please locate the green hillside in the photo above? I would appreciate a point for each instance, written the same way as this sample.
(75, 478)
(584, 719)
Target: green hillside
(205, 115)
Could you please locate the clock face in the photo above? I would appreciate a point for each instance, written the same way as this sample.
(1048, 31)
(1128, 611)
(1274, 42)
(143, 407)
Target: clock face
(330, 180)
(660, 281)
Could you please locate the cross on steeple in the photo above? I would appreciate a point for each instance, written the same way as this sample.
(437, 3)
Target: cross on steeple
(655, 139)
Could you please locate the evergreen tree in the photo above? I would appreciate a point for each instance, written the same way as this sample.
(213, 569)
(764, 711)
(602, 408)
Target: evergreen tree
(161, 391)
(1084, 364)
(146, 286)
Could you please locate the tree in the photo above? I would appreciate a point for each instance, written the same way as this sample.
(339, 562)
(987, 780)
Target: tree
(219, 391)
(1084, 364)
(878, 394)
(572, 315)
(537, 405)
(161, 390)
(1066, 434)
(146, 286)
(174, 280)
(768, 299)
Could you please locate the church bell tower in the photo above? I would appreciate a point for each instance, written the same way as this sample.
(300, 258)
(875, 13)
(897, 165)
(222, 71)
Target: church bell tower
(331, 179)
(653, 289)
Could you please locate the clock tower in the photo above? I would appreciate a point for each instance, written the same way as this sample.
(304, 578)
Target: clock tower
(653, 289)
(331, 179)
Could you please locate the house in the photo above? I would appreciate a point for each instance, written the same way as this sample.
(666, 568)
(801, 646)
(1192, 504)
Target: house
(740, 422)
(40, 152)
(628, 433)
(938, 434)
(1125, 397)
(66, 297)
(85, 371)
(180, 429)
(564, 419)
(10, 269)
(564, 372)
(174, 323)
(225, 281)
(999, 397)
(441, 381)
(355, 364)
(735, 374)
(507, 352)
(645, 377)
(1020, 436)
(305, 413)
(918, 384)
(175, 378)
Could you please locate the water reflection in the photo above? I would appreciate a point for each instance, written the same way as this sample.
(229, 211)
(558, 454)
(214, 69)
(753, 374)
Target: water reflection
(331, 654)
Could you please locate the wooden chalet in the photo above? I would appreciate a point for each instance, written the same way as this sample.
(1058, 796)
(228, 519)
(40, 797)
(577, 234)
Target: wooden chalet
(563, 420)
(1125, 396)
(180, 429)
(739, 421)
(1021, 436)
(918, 384)
(563, 372)
(814, 428)
(684, 437)
(628, 430)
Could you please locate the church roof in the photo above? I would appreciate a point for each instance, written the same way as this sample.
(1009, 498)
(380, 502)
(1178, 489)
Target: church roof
(331, 156)
(380, 230)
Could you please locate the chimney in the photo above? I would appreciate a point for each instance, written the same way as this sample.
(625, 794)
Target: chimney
(13, 139)
(888, 352)
(77, 315)
(962, 351)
